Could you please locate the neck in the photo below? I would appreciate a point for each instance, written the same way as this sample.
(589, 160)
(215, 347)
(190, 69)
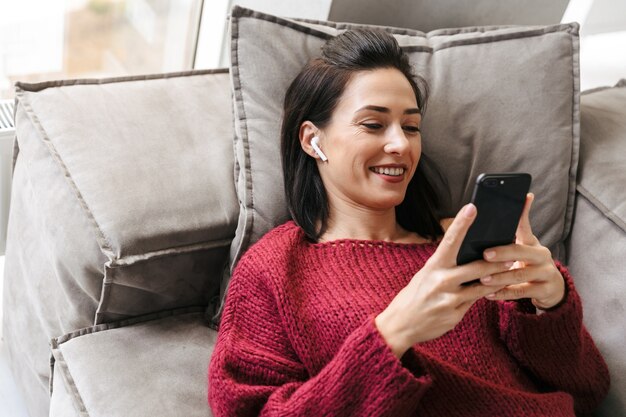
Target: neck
(349, 222)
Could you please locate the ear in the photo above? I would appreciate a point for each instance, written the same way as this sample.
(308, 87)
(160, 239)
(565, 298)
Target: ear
(307, 132)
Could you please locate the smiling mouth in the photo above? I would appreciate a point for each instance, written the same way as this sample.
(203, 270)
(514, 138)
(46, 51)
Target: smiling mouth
(393, 172)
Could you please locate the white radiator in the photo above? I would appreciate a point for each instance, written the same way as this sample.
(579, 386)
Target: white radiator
(7, 134)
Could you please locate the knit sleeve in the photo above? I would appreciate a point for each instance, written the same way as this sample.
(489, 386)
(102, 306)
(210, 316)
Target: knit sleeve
(556, 347)
(254, 370)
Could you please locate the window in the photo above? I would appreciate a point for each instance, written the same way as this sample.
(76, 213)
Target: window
(53, 39)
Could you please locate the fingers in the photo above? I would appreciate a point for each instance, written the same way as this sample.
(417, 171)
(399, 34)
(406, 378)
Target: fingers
(469, 295)
(448, 249)
(512, 292)
(518, 252)
(475, 270)
(517, 276)
(524, 233)
(543, 295)
(543, 283)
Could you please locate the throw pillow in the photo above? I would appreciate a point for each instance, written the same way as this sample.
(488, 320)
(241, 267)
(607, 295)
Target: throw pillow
(502, 99)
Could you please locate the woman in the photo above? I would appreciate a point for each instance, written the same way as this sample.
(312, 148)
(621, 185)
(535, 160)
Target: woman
(356, 307)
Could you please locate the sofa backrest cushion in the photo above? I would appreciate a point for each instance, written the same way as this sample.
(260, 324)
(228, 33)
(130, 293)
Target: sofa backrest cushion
(149, 161)
(597, 243)
(601, 176)
(502, 99)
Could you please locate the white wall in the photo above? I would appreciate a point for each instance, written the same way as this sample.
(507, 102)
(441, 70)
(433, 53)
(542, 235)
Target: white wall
(602, 40)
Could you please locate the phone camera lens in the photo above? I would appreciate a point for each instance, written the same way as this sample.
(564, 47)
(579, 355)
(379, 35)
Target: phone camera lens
(491, 183)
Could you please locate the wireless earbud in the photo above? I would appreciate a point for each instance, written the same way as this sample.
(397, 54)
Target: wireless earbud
(317, 149)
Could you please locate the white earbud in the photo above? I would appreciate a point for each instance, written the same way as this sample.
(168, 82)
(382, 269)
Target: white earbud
(317, 149)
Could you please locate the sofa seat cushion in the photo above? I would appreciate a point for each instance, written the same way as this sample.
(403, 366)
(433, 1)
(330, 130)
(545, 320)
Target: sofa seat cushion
(154, 366)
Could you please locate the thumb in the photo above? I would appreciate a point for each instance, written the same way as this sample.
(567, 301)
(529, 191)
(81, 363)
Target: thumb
(524, 233)
(449, 246)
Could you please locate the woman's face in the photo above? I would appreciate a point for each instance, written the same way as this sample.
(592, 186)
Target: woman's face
(372, 142)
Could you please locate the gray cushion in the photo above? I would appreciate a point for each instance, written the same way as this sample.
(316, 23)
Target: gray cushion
(150, 366)
(502, 99)
(148, 161)
(61, 402)
(597, 243)
(596, 251)
(602, 151)
(123, 204)
(36, 308)
(430, 15)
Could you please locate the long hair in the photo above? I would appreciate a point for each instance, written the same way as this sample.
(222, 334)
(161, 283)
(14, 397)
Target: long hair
(313, 95)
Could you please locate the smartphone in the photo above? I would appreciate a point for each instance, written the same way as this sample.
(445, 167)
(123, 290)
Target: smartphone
(499, 200)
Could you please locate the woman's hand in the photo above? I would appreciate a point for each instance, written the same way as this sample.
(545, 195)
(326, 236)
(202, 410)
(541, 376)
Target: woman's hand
(534, 274)
(434, 301)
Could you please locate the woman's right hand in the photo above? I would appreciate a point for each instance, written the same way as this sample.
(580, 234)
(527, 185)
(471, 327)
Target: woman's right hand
(435, 300)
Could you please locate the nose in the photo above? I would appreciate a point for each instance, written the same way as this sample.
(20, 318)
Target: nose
(397, 142)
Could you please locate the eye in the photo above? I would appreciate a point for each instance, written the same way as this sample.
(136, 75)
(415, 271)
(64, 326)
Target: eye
(412, 129)
(372, 126)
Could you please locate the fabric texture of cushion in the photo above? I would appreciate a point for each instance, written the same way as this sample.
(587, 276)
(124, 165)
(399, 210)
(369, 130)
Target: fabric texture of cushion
(502, 99)
(163, 359)
(598, 239)
(61, 402)
(163, 233)
(123, 204)
(601, 173)
(595, 249)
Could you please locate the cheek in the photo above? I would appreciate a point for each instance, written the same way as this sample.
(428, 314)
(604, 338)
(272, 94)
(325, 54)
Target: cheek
(354, 156)
(416, 154)
(416, 148)
(417, 145)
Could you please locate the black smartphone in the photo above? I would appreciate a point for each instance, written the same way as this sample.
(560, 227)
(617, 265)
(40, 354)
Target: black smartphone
(499, 200)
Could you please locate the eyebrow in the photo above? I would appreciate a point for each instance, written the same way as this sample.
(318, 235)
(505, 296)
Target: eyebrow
(413, 110)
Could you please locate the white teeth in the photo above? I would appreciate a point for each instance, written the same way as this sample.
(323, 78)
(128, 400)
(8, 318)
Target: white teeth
(395, 172)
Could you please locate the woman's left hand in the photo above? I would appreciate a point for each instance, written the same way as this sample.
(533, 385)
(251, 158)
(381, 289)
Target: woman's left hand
(533, 275)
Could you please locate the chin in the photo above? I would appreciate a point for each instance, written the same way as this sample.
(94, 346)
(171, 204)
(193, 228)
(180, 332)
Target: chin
(387, 203)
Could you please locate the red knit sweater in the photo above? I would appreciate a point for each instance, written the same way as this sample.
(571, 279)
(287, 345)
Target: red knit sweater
(297, 338)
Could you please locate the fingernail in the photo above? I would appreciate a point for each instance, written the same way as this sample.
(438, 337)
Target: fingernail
(490, 254)
(469, 210)
(508, 264)
(486, 279)
(490, 295)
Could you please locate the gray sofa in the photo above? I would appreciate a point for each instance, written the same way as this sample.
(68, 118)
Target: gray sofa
(128, 198)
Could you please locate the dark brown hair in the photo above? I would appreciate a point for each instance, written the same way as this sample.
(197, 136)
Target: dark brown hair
(313, 95)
